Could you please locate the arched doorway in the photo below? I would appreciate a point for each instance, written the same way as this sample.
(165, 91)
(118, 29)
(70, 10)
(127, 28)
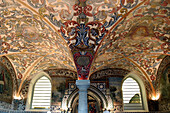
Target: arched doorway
(93, 105)
(96, 101)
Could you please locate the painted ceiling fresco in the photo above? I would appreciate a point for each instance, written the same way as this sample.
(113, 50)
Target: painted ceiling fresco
(84, 35)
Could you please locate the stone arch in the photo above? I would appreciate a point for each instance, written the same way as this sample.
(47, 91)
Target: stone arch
(163, 84)
(31, 87)
(92, 91)
(6, 63)
(141, 84)
(165, 62)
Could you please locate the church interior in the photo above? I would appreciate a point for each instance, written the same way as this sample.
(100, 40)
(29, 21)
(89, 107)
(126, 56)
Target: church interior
(84, 56)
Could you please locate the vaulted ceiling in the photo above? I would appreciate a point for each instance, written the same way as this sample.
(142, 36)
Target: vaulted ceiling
(36, 35)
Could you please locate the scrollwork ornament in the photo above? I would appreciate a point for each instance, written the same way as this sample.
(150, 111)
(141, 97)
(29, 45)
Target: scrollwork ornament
(129, 3)
(36, 3)
(123, 12)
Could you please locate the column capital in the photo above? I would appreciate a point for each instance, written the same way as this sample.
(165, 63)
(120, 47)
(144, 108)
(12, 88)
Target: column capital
(83, 84)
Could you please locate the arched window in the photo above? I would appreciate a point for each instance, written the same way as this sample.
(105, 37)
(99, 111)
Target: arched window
(41, 96)
(132, 99)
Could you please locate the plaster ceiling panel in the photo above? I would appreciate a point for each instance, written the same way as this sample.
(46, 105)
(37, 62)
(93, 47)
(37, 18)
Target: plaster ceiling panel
(25, 38)
(140, 38)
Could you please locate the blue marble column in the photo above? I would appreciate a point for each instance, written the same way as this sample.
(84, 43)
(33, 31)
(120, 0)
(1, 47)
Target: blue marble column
(83, 85)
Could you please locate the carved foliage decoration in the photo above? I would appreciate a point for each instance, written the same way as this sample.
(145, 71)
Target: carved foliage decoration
(109, 73)
(61, 73)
